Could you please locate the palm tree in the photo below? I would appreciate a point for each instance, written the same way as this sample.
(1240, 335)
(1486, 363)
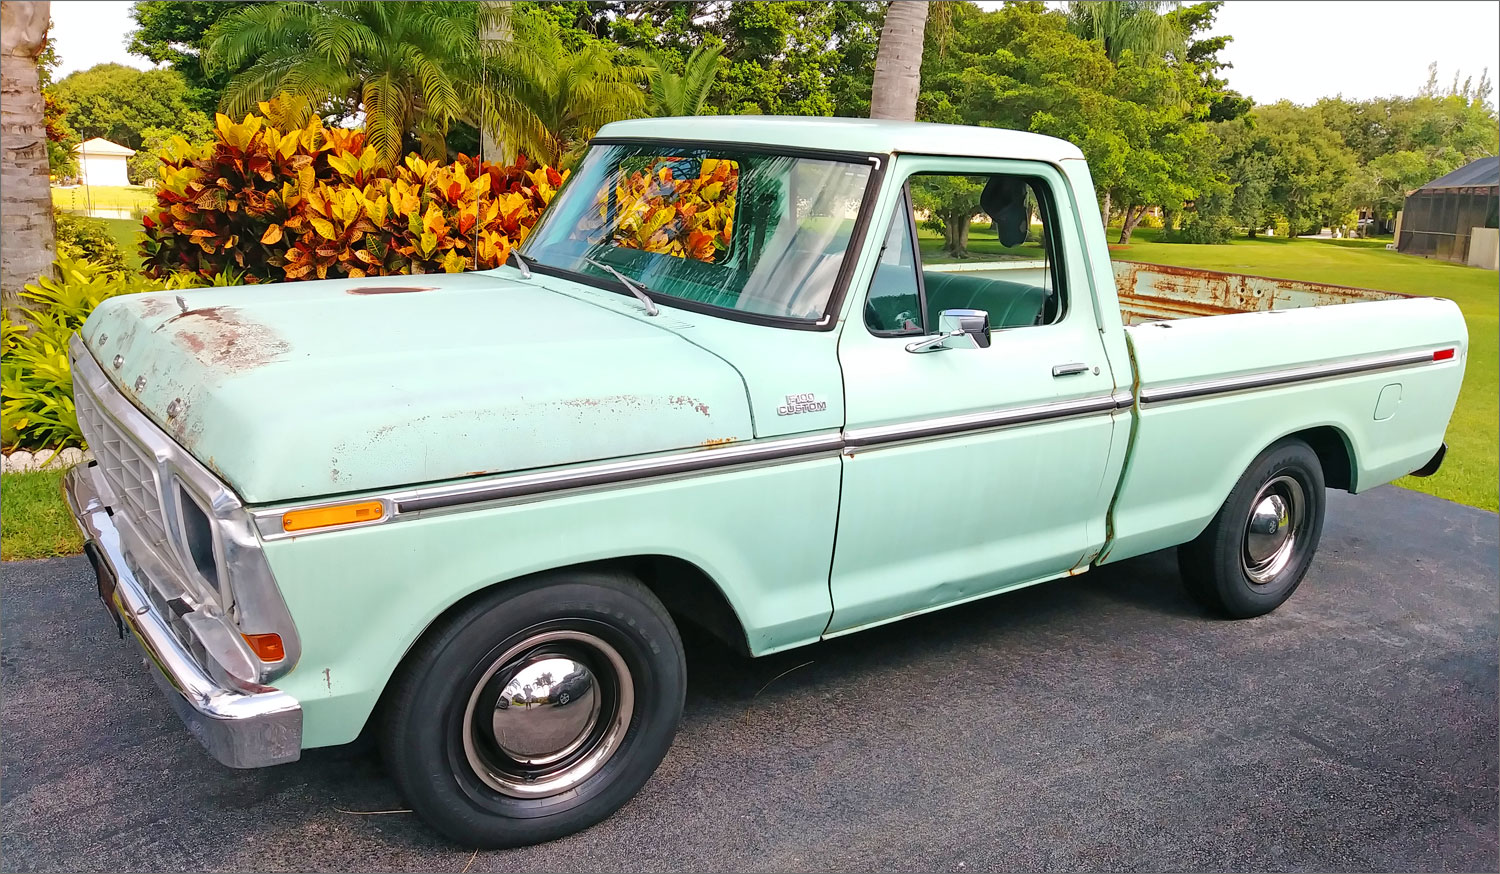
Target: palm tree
(684, 93)
(1138, 26)
(26, 204)
(545, 100)
(405, 64)
(898, 61)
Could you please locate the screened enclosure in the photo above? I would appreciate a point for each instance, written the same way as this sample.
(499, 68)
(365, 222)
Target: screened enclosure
(1438, 219)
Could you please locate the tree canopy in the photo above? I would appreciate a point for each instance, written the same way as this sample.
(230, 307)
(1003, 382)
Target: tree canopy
(118, 103)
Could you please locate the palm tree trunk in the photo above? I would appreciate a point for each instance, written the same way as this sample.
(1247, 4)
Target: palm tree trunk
(495, 31)
(898, 62)
(26, 223)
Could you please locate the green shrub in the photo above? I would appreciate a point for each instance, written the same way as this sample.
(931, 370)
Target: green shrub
(1203, 230)
(88, 239)
(36, 383)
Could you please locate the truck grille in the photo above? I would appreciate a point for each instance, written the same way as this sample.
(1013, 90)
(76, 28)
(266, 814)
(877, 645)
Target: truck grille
(127, 468)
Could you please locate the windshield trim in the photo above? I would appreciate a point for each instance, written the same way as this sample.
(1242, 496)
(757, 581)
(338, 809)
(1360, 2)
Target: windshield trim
(835, 304)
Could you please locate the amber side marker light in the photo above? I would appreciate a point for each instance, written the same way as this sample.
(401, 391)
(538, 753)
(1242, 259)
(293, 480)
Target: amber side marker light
(324, 517)
(267, 647)
(1443, 354)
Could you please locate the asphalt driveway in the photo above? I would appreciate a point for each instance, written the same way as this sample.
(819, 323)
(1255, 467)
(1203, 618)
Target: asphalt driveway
(1096, 723)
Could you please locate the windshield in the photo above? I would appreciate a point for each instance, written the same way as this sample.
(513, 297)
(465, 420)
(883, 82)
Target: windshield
(727, 227)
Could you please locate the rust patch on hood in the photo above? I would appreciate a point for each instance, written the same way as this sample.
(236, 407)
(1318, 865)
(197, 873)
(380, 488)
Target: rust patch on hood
(223, 339)
(152, 306)
(390, 289)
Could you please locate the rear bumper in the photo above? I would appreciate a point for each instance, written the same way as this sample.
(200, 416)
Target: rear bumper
(241, 728)
(1431, 467)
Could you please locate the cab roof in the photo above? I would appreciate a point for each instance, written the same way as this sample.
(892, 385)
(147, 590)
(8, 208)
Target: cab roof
(863, 135)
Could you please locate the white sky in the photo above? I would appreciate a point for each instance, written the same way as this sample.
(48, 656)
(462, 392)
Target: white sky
(1299, 50)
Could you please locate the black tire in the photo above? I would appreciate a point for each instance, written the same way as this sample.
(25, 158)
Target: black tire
(437, 753)
(1226, 568)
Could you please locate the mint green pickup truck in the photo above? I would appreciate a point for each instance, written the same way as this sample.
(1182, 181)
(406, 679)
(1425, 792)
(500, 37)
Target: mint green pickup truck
(721, 384)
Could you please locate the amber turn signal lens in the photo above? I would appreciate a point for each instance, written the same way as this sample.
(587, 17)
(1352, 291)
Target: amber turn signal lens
(267, 647)
(323, 517)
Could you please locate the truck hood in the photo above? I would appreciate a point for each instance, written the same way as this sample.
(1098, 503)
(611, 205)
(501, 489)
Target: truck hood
(318, 388)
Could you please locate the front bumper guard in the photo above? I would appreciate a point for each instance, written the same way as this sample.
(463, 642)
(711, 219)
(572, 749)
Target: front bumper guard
(241, 728)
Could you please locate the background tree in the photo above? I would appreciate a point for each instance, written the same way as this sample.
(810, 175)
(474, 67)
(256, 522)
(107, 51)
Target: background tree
(172, 32)
(674, 93)
(898, 64)
(61, 138)
(194, 127)
(546, 99)
(117, 102)
(1203, 53)
(25, 195)
(951, 203)
(793, 58)
(409, 67)
(1311, 166)
(1144, 28)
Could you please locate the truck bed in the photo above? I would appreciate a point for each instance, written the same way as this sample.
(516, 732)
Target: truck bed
(1156, 292)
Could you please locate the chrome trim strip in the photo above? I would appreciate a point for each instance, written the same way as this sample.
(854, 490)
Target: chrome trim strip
(982, 421)
(242, 729)
(615, 472)
(409, 503)
(1267, 379)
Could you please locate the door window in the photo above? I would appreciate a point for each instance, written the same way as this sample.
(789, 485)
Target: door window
(967, 242)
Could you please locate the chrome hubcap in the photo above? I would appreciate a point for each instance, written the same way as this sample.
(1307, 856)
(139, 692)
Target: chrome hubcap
(547, 713)
(1275, 524)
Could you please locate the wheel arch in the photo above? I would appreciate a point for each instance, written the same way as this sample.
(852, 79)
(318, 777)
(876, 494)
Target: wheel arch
(687, 591)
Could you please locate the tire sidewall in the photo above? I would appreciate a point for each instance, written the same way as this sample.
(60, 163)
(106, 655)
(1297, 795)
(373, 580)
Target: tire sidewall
(436, 774)
(1239, 596)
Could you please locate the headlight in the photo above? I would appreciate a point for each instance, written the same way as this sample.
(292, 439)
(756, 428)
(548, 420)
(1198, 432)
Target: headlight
(198, 537)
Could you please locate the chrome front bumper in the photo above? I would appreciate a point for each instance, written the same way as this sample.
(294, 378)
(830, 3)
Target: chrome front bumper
(242, 728)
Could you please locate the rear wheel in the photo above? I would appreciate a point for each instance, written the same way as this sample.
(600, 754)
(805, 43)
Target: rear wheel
(537, 711)
(1257, 549)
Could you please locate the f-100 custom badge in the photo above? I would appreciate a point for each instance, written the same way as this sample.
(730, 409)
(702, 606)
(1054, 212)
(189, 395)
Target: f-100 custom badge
(801, 403)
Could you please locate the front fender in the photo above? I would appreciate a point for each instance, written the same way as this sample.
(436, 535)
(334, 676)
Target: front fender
(362, 597)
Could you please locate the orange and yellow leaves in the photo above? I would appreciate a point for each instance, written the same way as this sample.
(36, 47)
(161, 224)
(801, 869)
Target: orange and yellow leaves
(313, 202)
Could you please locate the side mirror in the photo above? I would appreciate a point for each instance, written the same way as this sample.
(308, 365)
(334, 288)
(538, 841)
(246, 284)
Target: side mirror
(957, 329)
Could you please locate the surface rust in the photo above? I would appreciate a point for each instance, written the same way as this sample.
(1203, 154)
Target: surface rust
(719, 441)
(222, 339)
(390, 289)
(637, 400)
(1156, 291)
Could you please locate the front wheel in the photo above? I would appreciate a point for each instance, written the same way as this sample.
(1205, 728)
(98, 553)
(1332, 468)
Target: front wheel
(537, 711)
(1256, 550)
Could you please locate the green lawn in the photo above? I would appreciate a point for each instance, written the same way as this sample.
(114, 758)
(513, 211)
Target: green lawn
(1471, 472)
(79, 198)
(34, 519)
(127, 233)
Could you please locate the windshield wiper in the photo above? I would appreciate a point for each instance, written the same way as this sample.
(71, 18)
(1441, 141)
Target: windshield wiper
(629, 284)
(521, 264)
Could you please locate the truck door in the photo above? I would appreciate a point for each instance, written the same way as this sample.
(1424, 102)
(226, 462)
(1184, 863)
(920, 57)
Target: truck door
(971, 470)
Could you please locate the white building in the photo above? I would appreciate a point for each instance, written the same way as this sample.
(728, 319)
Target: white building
(101, 162)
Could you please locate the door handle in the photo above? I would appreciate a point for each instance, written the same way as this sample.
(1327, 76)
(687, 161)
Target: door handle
(1069, 369)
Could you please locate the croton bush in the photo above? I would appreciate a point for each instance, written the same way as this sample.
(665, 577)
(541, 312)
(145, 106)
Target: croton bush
(315, 203)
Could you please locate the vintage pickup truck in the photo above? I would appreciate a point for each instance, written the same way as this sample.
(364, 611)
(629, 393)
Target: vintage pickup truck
(719, 383)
